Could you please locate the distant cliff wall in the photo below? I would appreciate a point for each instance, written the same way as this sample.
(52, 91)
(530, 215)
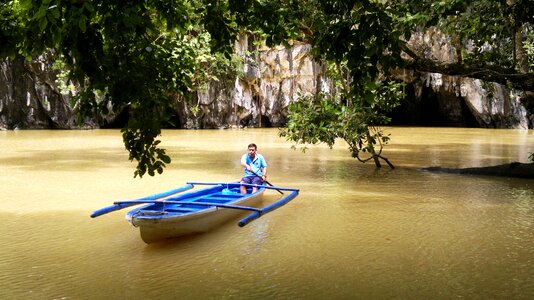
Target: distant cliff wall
(272, 78)
(437, 99)
(29, 97)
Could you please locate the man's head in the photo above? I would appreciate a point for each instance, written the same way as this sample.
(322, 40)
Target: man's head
(252, 149)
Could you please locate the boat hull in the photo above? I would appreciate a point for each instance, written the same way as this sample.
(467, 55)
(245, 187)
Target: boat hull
(157, 227)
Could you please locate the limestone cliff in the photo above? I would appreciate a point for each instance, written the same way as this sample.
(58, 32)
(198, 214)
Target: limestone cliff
(461, 101)
(271, 79)
(29, 97)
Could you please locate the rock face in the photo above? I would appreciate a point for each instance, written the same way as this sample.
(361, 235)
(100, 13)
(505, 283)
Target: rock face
(271, 79)
(436, 99)
(29, 97)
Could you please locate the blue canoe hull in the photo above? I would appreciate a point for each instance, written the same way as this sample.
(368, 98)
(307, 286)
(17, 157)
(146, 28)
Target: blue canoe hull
(159, 221)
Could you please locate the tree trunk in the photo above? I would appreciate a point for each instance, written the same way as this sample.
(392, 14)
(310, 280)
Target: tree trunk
(373, 153)
(456, 42)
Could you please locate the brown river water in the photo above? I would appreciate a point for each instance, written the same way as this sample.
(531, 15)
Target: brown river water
(354, 232)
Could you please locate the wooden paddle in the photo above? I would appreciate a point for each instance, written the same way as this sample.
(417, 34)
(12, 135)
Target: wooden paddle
(238, 184)
(265, 180)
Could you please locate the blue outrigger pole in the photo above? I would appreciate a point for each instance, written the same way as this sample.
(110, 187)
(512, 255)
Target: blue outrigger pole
(253, 216)
(258, 212)
(121, 205)
(165, 199)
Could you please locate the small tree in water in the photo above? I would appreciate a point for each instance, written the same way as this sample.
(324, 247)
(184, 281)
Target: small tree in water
(350, 116)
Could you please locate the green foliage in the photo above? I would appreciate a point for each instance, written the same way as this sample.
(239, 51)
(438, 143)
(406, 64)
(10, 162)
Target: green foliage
(276, 21)
(313, 120)
(359, 43)
(362, 40)
(135, 55)
(485, 28)
(143, 55)
(9, 28)
(528, 44)
(363, 34)
(321, 119)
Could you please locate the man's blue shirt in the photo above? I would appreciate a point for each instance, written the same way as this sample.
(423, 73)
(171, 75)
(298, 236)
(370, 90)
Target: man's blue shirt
(257, 164)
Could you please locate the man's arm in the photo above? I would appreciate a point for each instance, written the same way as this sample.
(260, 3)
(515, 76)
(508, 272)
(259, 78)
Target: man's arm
(264, 173)
(244, 163)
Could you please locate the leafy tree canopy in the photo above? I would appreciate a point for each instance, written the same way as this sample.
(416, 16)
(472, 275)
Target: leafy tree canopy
(362, 41)
(139, 54)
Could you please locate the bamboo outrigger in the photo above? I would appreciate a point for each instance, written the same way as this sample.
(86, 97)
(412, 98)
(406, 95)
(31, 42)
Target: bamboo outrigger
(171, 214)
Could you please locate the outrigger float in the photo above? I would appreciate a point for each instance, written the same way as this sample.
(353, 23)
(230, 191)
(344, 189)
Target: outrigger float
(171, 214)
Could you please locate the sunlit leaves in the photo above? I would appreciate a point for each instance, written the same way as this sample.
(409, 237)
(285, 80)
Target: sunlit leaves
(312, 120)
(143, 148)
(322, 119)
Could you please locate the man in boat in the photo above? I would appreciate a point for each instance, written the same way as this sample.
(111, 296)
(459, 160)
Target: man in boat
(255, 168)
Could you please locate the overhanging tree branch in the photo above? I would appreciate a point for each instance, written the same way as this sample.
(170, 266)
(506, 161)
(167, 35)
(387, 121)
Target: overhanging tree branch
(480, 70)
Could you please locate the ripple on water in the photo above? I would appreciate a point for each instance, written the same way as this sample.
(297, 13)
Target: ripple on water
(353, 232)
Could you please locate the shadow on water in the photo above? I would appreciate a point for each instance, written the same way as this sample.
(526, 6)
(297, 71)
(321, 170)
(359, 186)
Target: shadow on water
(67, 159)
(402, 151)
(177, 243)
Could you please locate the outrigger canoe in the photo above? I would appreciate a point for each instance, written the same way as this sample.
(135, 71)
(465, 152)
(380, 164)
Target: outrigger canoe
(172, 214)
